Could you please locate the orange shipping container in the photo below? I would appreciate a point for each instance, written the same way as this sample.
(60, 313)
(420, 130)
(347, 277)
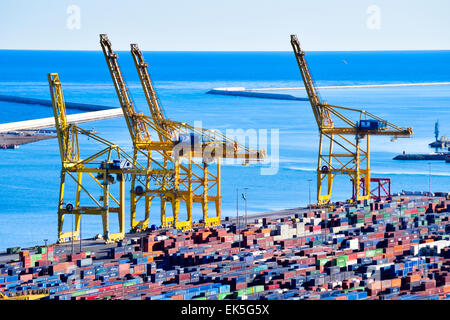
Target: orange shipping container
(386, 284)
(376, 285)
(414, 278)
(396, 283)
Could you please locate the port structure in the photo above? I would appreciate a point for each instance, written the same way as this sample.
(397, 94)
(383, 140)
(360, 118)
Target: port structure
(382, 189)
(338, 154)
(101, 166)
(189, 156)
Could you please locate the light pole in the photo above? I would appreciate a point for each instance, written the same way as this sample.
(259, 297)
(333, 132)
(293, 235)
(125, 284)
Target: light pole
(237, 218)
(429, 178)
(80, 233)
(244, 196)
(72, 235)
(309, 189)
(46, 249)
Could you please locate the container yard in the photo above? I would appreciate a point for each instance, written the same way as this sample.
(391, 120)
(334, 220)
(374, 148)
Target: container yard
(373, 250)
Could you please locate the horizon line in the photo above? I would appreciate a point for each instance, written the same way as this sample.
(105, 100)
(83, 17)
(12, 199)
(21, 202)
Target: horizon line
(99, 50)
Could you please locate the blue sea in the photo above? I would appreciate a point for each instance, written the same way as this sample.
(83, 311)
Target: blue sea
(29, 176)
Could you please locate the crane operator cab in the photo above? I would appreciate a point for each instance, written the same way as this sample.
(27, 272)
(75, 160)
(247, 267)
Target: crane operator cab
(370, 124)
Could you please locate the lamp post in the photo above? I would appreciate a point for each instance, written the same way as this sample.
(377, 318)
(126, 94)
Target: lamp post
(309, 189)
(72, 235)
(244, 196)
(237, 218)
(80, 232)
(429, 178)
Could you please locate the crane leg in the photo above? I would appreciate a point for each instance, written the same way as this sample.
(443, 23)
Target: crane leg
(105, 213)
(122, 207)
(148, 199)
(330, 175)
(367, 169)
(77, 204)
(60, 207)
(133, 196)
(321, 175)
(219, 194)
(163, 212)
(189, 202)
(205, 193)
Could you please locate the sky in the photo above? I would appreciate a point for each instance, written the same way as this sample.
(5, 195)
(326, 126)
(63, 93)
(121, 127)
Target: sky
(226, 25)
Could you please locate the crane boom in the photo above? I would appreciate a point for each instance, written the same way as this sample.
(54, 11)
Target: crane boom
(136, 128)
(61, 123)
(156, 110)
(321, 115)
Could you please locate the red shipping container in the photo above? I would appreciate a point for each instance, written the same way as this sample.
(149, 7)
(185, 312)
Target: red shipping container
(25, 277)
(124, 269)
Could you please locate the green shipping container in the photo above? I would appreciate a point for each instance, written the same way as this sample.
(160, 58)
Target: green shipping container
(78, 293)
(378, 251)
(223, 295)
(370, 253)
(239, 293)
(340, 261)
(258, 289)
(42, 250)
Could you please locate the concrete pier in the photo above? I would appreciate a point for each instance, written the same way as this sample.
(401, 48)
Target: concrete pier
(259, 92)
(72, 119)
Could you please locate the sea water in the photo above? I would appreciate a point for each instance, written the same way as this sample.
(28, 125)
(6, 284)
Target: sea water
(29, 176)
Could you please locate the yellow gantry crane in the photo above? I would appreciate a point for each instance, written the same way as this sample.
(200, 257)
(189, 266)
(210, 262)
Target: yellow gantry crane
(338, 154)
(101, 167)
(193, 181)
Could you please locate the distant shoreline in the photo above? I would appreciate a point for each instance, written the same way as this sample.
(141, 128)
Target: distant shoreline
(357, 86)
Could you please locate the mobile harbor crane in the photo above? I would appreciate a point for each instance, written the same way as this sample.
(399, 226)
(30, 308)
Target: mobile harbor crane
(102, 172)
(350, 158)
(191, 182)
